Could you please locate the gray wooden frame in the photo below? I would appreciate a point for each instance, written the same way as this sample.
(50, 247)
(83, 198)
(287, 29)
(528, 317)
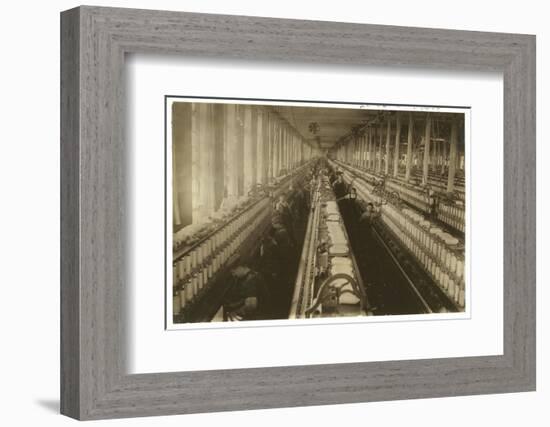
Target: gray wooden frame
(94, 40)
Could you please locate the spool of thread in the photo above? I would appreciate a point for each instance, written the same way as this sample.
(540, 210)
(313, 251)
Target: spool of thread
(459, 268)
(176, 304)
(199, 251)
(210, 270)
(445, 280)
(195, 285)
(175, 275)
(451, 287)
(199, 280)
(205, 251)
(212, 247)
(448, 257)
(187, 264)
(189, 291)
(214, 241)
(453, 263)
(182, 298)
(437, 250)
(444, 253)
(181, 268)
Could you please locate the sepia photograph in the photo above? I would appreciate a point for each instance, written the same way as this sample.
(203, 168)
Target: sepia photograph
(295, 210)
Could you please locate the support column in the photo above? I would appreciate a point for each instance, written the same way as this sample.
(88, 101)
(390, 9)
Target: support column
(195, 162)
(293, 150)
(282, 159)
(396, 148)
(218, 125)
(371, 151)
(286, 148)
(276, 147)
(408, 162)
(387, 161)
(269, 148)
(206, 186)
(240, 149)
(452, 156)
(359, 150)
(230, 150)
(249, 161)
(379, 159)
(375, 149)
(443, 156)
(427, 138)
(437, 150)
(182, 163)
(260, 141)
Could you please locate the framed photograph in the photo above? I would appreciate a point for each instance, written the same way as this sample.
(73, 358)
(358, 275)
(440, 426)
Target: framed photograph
(261, 213)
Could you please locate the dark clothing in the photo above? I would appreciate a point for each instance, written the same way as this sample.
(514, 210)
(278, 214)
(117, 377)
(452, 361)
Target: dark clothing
(285, 217)
(368, 217)
(283, 240)
(340, 189)
(251, 285)
(278, 267)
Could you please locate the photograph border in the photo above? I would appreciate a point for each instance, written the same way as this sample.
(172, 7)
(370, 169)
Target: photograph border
(94, 230)
(269, 102)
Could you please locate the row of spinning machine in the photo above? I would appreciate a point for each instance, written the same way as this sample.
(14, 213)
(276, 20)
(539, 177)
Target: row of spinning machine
(328, 283)
(427, 240)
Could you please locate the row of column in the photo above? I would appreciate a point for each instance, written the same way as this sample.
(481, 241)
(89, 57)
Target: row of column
(221, 151)
(372, 150)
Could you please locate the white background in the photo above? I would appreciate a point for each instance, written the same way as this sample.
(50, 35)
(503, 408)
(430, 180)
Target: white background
(152, 349)
(29, 174)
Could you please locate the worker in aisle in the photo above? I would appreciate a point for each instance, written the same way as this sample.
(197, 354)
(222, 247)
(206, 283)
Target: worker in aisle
(433, 202)
(248, 297)
(340, 187)
(275, 268)
(283, 215)
(369, 217)
(287, 257)
(366, 232)
(341, 191)
(313, 182)
(333, 175)
(280, 232)
(302, 195)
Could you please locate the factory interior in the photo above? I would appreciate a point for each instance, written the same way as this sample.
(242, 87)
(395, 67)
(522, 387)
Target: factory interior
(306, 211)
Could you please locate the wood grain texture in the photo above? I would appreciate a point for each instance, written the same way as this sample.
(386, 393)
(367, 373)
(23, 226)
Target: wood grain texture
(70, 291)
(95, 237)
